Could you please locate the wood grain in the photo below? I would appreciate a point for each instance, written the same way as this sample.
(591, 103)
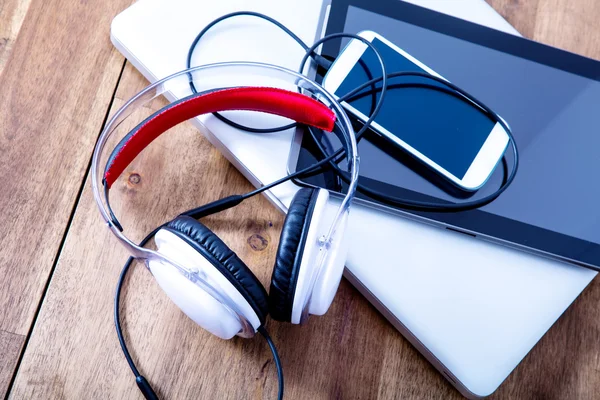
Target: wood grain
(48, 126)
(521, 14)
(351, 353)
(575, 24)
(568, 25)
(12, 14)
(58, 78)
(175, 348)
(10, 347)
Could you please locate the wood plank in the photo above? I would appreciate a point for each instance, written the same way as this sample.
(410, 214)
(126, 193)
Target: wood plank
(10, 348)
(12, 13)
(58, 73)
(352, 352)
(568, 25)
(48, 126)
(571, 26)
(521, 14)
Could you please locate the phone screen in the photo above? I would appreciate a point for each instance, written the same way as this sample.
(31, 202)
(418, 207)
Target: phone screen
(448, 131)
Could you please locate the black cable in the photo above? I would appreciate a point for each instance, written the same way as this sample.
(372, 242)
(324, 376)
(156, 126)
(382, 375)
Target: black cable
(371, 118)
(423, 205)
(463, 95)
(140, 380)
(413, 205)
(215, 22)
(383, 78)
(263, 331)
(117, 317)
(332, 160)
(309, 52)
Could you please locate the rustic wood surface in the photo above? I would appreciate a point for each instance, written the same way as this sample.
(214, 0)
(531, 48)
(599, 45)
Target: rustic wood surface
(59, 76)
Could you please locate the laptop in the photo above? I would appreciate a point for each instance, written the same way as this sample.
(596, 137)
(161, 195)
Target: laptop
(474, 309)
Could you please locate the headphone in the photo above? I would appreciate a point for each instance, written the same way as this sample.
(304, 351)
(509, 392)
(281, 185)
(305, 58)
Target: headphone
(197, 270)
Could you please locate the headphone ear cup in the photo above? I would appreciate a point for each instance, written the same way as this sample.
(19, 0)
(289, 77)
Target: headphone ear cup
(296, 255)
(192, 245)
(196, 303)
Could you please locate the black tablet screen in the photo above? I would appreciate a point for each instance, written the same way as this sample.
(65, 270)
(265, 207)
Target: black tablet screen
(550, 98)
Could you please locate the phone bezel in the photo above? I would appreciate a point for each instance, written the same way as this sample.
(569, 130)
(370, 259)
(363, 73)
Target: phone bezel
(485, 161)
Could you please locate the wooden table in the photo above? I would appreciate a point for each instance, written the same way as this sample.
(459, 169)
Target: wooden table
(59, 79)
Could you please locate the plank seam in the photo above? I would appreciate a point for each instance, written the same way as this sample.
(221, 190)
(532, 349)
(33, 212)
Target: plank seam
(62, 243)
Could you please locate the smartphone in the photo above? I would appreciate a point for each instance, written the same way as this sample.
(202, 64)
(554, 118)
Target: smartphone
(453, 137)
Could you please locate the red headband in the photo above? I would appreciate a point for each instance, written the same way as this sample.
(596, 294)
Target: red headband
(293, 105)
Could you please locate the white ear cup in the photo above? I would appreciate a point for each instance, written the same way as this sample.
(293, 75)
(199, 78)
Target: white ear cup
(332, 271)
(308, 265)
(195, 302)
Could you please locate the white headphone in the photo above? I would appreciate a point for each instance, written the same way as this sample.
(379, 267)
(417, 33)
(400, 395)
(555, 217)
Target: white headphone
(205, 278)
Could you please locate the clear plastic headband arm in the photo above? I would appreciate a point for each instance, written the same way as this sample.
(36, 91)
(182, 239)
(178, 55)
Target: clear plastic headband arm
(221, 75)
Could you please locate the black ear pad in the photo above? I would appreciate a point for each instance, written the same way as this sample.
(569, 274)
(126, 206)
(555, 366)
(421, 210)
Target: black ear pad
(205, 242)
(289, 254)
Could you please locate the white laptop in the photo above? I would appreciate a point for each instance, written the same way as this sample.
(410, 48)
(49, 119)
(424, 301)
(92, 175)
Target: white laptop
(472, 308)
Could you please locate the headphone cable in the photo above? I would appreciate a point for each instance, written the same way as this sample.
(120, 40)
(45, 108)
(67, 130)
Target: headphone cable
(140, 380)
(331, 160)
(263, 331)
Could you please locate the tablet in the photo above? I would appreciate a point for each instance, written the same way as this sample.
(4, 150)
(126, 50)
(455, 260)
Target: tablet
(549, 97)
